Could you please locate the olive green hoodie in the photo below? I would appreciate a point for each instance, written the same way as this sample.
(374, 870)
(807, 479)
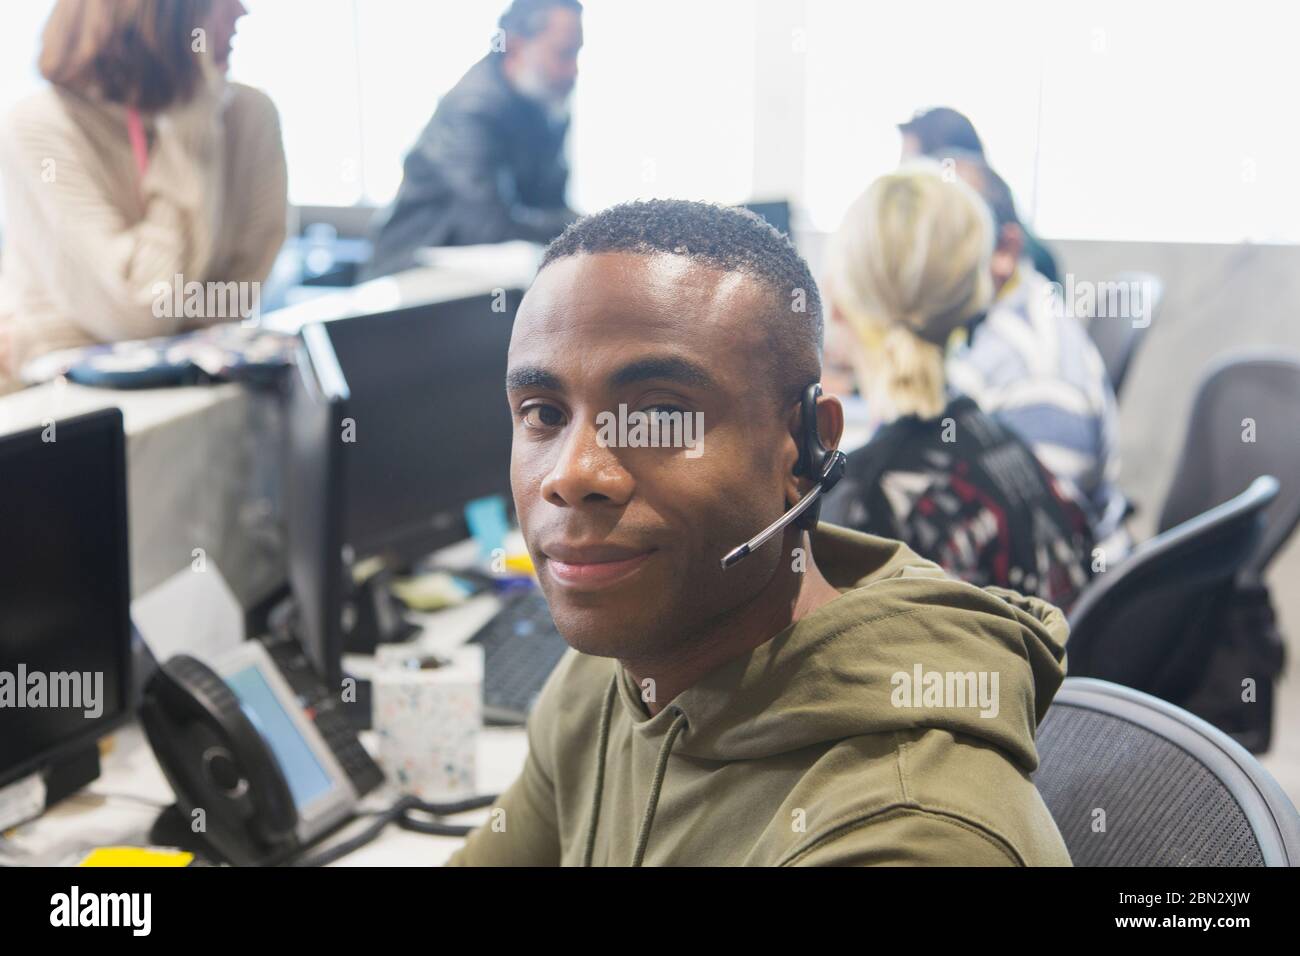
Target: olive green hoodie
(812, 749)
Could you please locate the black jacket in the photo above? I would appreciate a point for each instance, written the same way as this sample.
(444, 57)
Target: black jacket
(489, 167)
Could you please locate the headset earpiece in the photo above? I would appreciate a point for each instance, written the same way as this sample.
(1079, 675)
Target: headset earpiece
(816, 461)
(824, 466)
(812, 453)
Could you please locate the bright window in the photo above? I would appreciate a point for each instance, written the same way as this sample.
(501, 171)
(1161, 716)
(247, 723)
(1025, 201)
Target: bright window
(1158, 120)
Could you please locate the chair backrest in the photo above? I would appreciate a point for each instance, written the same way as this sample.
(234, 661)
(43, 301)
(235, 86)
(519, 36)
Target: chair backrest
(1245, 422)
(1134, 624)
(1117, 336)
(1135, 781)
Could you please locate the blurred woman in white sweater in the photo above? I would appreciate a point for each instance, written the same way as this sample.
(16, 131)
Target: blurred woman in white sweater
(139, 167)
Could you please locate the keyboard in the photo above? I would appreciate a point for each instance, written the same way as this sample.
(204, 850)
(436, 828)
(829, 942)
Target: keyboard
(326, 711)
(520, 649)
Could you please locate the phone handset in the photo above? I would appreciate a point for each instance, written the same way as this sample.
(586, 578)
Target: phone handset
(230, 790)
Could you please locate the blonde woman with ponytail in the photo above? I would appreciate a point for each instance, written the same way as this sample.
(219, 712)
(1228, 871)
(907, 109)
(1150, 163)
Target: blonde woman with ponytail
(908, 267)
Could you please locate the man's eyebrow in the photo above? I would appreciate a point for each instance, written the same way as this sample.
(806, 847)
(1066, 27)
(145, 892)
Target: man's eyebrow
(532, 376)
(679, 370)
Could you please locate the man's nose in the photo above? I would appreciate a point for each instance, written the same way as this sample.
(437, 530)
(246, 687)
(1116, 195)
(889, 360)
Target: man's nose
(586, 471)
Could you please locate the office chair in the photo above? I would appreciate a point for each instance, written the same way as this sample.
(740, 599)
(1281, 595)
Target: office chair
(1116, 337)
(1168, 788)
(1217, 463)
(1136, 624)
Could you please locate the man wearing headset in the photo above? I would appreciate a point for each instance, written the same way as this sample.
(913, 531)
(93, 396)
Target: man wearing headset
(827, 698)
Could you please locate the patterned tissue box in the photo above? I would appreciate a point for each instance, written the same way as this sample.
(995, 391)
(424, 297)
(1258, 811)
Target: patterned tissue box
(428, 719)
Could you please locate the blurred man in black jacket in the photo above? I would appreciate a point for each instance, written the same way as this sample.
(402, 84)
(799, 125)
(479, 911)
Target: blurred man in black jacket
(490, 165)
(931, 132)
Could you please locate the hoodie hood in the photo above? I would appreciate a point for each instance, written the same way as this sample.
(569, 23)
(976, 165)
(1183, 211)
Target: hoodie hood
(904, 647)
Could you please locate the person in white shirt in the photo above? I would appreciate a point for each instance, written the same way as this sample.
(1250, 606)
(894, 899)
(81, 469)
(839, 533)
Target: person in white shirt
(1032, 365)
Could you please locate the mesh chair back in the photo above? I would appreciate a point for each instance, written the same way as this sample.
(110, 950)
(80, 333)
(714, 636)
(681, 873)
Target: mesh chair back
(1134, 781)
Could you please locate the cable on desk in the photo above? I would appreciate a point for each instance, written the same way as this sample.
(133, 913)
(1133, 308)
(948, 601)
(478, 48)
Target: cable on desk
(399, 813)
(433, 827)
(456, 806)
(337, 852)
(90, 795)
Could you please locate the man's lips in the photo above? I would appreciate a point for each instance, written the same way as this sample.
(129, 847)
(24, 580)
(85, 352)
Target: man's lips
(592, 566)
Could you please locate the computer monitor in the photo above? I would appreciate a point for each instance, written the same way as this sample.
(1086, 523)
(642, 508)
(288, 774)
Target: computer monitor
(65, 596)
(432, 430)
(776, 212)
(315, 500)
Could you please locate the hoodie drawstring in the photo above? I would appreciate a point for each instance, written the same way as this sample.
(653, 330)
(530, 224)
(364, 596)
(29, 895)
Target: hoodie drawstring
(643, 837)
(656, 785)
(601, 745)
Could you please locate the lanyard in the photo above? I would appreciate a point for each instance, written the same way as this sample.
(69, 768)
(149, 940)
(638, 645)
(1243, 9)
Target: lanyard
(139, 145)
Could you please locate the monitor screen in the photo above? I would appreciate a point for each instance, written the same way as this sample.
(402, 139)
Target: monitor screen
(431, 427)
(64, 589)
(776, 213)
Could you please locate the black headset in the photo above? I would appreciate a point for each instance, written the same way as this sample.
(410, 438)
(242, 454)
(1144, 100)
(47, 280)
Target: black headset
(816, 461)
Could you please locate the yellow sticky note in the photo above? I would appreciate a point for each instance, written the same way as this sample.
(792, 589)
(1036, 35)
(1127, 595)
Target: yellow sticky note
(520, 563)
(135, 856)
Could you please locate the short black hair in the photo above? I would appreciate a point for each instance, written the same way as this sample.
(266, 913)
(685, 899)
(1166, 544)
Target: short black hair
(941, 126)
(527, 18)
(992, 187)
(728, 238)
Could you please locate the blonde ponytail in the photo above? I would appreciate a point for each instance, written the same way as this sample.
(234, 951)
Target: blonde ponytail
(909, 265)
(911, 373)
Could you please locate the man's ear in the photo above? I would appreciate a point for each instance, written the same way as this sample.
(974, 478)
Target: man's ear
(1006, 255)
(830, 420)
(1011, 240)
